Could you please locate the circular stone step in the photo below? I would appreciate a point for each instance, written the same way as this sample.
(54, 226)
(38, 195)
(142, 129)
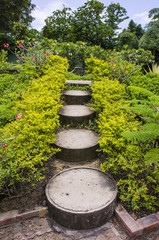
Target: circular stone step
(81, 198)
(76, 96)
(76, 114)
(79, 82)
(77, 145)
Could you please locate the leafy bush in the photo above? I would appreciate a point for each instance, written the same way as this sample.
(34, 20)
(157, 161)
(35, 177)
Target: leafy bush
(25, 142)
(136, 176)
(115, 69)
(3, 60)
(149, 81)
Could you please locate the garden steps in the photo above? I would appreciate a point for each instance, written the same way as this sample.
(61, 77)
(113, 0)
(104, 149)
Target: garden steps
(76, 114)
(79, 82)
(81, 197)
(76, 97)
(77, 145)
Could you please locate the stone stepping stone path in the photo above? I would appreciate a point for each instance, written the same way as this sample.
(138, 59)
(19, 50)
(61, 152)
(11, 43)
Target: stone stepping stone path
(79, 82)
(76, 97)
(79, 198)
(76, 114)
(77, 145)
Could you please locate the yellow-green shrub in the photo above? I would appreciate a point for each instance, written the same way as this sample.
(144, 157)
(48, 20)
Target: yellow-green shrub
(137, 180)
(27, 147)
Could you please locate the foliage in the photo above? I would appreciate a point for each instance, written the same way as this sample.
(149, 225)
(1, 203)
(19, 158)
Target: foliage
(89, 23)
(129, 38)
(25, 142)
(149, 81)
(145, 106)
(12, 88)
(3, 61)
(155, 68)
(150, 40)
(58, 26)
(15, 11)
(136, 174)
(115, 69)
(154, 13)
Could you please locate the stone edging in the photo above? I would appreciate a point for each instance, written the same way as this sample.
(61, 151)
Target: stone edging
(132, 227)
(138, 227)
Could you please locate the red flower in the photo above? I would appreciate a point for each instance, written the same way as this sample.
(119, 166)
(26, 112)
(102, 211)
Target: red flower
(47, 54)
(5, 145)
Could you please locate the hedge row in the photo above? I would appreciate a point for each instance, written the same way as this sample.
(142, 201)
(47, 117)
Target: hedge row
(25, 141)
(137, 180)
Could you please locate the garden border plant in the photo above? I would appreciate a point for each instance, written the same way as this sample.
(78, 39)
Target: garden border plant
(136, 180)
(25, 142)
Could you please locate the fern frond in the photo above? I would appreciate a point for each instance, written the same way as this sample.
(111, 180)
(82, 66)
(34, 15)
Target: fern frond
(140, 110)
(152, 156)
(147, 132)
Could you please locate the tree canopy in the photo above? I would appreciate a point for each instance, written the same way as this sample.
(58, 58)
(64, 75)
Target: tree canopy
(93, 23)
(15, 11)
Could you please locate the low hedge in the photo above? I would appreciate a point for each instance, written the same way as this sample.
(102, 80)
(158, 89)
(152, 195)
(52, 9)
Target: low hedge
(25, 141)
(136, 180)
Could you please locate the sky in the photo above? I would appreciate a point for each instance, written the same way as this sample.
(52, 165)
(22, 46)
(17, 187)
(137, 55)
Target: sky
(137, 10)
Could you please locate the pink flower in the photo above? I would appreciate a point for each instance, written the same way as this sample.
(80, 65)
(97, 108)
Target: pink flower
(22, 57)
(124, 69)
(132, 53)
(112, 53)
(112, 63)
(5, 145)
(114, 70)
(47, 54)
(20, 45)
(19, 116)
(6, 45)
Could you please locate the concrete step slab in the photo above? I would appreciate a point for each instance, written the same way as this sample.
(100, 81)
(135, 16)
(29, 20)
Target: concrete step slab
(76, 114)
(79, 82)
(76, 97)
(81, 198)
(77, 145)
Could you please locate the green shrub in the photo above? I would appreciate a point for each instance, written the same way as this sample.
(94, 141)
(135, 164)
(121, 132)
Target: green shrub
(136, 176)
(149, 81)
(25, 142)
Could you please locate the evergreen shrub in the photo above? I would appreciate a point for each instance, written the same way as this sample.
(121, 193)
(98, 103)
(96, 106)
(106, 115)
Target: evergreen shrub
(25, 142)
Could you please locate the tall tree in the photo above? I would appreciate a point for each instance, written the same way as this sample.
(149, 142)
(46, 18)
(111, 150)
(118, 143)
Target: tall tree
(59, 25)
(92, 23)
(127, 38)
(154, 13)
(87, 22)
(114, 15)
(150, 40)
(14, 11)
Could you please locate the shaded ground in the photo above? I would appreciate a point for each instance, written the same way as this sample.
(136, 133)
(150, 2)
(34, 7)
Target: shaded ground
(45, 228)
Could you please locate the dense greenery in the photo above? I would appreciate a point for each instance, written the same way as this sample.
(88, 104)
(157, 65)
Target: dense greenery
(25, 140)
(15, 11)
(134, 164)
(93, 23)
